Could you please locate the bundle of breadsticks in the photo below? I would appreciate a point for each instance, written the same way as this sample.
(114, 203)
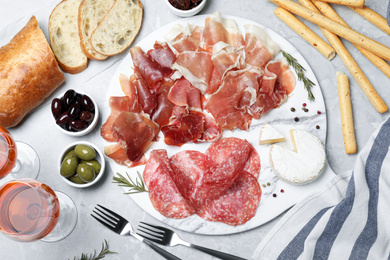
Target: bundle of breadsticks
(333, 27)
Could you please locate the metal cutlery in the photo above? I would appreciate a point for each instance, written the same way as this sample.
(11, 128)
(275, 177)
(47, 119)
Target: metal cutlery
(167, 237)
(121, 226)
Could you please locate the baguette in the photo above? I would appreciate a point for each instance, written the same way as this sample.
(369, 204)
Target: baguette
(29, 73)
(64, 37)
(91, 13)
(346, 113)
(118, 28)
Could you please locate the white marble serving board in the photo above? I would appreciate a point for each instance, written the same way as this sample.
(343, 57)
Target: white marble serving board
(281, 118)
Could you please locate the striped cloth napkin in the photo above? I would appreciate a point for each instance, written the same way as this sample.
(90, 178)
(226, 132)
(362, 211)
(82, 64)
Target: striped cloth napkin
(349, 219)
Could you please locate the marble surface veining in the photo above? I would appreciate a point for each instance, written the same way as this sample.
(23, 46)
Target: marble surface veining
(48, 141)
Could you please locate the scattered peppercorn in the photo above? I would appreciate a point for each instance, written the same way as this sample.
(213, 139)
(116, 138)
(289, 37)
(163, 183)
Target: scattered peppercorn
(274, 195)
(292, 109)
(282, 191)
(268, 184)
(317, 126)
(296, 119)
(319, 112)
(304, 104)
(305, 109)
(264, 185)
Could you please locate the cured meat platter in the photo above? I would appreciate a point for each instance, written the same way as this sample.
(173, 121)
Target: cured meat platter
(296, 113)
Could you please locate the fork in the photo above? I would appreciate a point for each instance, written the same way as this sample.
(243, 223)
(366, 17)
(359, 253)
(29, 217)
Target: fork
(121, 226)
(167, 237)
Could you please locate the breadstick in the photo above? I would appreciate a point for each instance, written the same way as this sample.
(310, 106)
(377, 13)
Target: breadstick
(308, 35)
(346, 113)
(358, 3)
(336, 28)
(351, 64)
(373, 17)
(328, 11)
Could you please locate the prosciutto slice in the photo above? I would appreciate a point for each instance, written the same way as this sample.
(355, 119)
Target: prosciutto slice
(163, 111)
(225, 58)
(188, 128)
(150, 70)
(196, 67)
(163, 192)
(135, 133)
(118, 154)
(162, 54)
(146, 98)
(183, 93)
(117, 105)
(218, 29)
(230, 104)
(185, 38)
(259, 47)
(238, 205)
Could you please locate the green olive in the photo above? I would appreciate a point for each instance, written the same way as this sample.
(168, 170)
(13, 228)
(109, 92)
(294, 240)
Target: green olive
(94, 164)
(69, 166)
(84, 152)
(76, 179)
(71, 153)
(86, 172)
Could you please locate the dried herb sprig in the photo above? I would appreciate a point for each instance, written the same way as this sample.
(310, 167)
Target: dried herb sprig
(308, 84)
(134, 187)
(103, 252)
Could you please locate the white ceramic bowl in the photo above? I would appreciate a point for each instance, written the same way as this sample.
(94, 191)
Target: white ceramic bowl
(90, 127)
(99, 157)
(186, 13)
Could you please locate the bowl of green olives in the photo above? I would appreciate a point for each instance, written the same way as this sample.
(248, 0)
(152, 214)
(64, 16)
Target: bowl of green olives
(75, 113)
(81, 164)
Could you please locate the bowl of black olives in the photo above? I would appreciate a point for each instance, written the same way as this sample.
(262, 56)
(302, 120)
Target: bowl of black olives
(75, 113)
(81, 164)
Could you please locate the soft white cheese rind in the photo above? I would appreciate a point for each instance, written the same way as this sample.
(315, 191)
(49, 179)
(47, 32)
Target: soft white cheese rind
(269, 135)
(303, 166)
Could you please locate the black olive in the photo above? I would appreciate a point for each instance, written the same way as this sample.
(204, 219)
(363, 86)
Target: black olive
(69, 97)
(56, 107)
(74, 111)
(62, 119)
(78, 125)
(87, 116)
(87, 103)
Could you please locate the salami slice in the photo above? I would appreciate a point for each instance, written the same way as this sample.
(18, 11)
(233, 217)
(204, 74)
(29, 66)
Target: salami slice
(188, 170)
(238, 204)
(157, 157)
(219, 150)
(219, 177)
(163, 192)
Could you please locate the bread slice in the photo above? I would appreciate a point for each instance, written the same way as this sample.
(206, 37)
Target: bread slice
(64, 37)
(118, 28)
(91, 13)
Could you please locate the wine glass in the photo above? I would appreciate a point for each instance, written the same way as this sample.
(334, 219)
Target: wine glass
(17, 158)
(30, 210)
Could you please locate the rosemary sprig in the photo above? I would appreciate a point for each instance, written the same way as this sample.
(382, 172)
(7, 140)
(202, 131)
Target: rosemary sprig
(103, 252)
(134, 187)
(308, 84)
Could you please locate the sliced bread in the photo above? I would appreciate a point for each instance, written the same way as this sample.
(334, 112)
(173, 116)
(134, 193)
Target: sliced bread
(64, 37)
(118, 28)
(91, 12)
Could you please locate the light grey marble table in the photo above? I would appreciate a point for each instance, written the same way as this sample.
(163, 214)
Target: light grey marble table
(48, 141)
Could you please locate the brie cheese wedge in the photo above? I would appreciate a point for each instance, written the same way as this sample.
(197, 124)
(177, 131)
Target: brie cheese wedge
(270, 135)
(304, 164)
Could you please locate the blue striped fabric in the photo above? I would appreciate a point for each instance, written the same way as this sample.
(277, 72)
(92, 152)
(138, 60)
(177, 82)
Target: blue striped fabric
(349, 219)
